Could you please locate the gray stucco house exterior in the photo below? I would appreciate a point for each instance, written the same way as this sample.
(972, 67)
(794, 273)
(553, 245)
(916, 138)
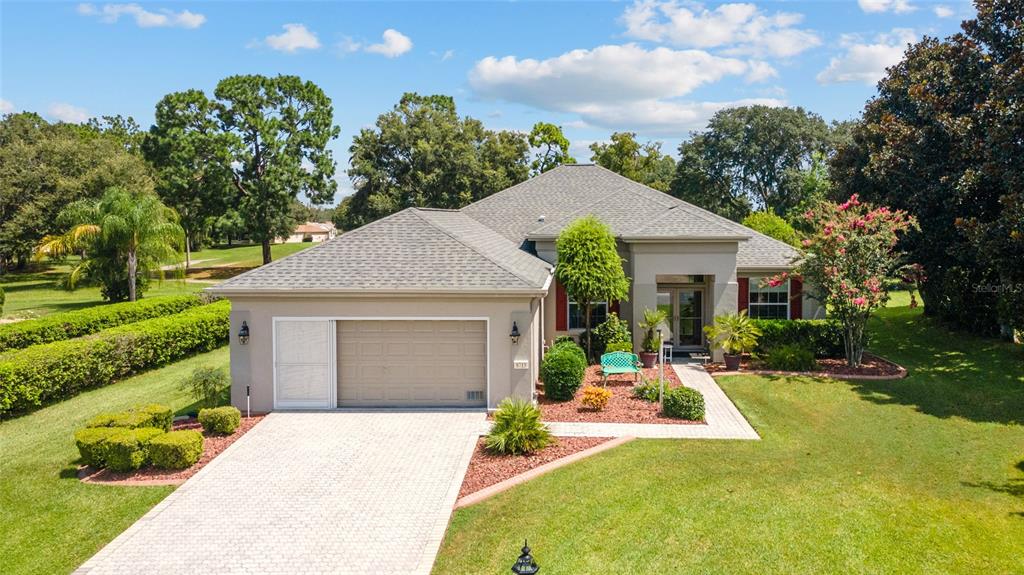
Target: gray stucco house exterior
(417, 309)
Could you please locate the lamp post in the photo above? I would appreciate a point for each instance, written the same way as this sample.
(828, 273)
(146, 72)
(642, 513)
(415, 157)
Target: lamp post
(525, 565)
(661, 369)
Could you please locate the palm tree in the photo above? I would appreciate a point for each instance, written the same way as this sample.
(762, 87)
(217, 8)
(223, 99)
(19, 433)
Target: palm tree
(121, 232)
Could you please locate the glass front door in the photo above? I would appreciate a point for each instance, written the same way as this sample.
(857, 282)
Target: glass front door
(684, 308)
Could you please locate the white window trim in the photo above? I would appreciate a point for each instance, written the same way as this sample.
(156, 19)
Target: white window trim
(755, 281)
(568, 313)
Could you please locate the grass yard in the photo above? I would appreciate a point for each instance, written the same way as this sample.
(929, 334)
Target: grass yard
(247, 256)
(923, 475)
(52, 522)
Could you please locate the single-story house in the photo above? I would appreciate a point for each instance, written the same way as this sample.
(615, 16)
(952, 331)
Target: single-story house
(315, 232)
(431, 307)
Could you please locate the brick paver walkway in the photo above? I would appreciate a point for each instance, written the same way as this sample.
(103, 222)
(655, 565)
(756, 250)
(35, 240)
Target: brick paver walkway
(724, 421)
(319, 492)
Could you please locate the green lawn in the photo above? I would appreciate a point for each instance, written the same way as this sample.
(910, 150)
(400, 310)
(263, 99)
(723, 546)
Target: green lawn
(248, 256)
(50, 521)
(923, 475)
(34, 293)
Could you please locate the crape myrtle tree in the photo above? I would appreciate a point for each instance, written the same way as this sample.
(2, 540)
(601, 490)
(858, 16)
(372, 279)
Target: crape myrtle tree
(589, 267)
(944, 139)
(847, 259)
(422, 153)
(277, 130)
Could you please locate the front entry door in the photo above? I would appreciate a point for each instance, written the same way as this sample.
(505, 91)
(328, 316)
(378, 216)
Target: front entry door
(689, 320)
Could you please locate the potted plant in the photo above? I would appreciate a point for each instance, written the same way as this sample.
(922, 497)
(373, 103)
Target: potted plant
(653, 318)
(734, 334)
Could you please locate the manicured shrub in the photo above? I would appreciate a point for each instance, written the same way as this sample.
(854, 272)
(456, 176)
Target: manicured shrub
(72, 324)
(612, 331)
(153, 415)
(176, 449)
(517, 428)
(823, 337)
(595, 397)
(92, 446)
(683, 403)
(648, 391)
(206, 385)
(619, 346)
(790, 357)
(563, 339)
(128, 449)
(61, 369)
(575, 349)
(562, 371)
(223, 420)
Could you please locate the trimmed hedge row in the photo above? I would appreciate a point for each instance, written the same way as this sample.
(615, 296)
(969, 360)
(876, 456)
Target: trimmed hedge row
(72, 324)
(822, 337)
(176, 449)
(58, 370)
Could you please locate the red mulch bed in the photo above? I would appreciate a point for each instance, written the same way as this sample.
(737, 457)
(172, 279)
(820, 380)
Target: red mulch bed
(487, 469)
(622, 407)
(213, 445)
(871, 365)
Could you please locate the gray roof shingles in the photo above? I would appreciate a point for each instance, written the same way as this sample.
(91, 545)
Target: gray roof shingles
(478, 248)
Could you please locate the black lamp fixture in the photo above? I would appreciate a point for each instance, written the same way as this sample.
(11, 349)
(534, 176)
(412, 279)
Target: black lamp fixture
(525, 565)
(515, 333)
(243, 334)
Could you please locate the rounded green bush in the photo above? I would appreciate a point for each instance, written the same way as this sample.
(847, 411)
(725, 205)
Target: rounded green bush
(517, 428)
(92, 444)
(562, 371)
(575, 349)
(684, 403)
(128, 450)
(176, 449)
(790, 357)
(619, 346)
(152, 415)
(223, 420)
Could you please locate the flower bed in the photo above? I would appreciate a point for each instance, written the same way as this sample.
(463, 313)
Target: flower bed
(213, 445)
(622, 407)
(872, 367)
(487, 469)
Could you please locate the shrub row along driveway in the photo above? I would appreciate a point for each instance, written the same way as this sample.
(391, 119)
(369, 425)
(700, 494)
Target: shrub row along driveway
(328, 492)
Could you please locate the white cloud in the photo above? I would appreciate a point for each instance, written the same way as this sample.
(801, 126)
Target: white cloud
(67, 113)
(943, 11)
(896, 6)
(164, 18)
(448, 55)
(6, 107)
(866, 62)
(395, 44)
(294, 38)
(625, 86)
(761, 71)
(736, 28)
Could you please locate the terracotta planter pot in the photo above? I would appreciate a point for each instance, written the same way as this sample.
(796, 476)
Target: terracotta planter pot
(648, 358)
(732, 362)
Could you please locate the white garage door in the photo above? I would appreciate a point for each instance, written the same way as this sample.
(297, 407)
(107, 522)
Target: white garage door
(303, 364)
(412, 363)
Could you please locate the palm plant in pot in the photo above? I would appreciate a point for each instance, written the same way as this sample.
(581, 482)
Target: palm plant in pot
(735, 335)
(653, 318)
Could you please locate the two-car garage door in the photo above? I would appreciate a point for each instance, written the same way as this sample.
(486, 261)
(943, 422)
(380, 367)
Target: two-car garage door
(380, 363)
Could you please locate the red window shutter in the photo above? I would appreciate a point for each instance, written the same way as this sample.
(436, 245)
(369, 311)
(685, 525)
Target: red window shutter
(744, 296)
(613, 307)
(561, 308)
(796, 299)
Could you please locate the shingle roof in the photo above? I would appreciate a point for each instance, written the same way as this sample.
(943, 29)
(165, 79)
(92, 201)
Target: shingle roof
(415, 249)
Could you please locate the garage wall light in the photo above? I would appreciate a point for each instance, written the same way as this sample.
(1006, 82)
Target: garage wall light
(515, 333)
(243, 334)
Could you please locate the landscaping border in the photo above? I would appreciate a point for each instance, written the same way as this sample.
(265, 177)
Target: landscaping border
(491, 491)
(850, 376)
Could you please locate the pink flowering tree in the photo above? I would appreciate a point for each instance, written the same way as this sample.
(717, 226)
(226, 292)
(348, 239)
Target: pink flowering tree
(847, 260)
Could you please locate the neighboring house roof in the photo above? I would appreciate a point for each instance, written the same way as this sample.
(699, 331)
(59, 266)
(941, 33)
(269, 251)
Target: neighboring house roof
(314, 228)
(415, 250)
(480, 247)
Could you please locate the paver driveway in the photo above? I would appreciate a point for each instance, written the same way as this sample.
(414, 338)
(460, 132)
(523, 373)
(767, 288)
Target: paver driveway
(317, 492)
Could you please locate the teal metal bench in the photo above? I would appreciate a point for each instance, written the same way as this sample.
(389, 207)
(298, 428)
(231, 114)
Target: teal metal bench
(619, 362)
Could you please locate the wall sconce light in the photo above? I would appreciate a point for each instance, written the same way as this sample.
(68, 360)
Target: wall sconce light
(515, 333)
(243, 334)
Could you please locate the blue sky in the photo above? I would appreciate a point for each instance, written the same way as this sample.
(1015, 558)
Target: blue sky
(659, 68)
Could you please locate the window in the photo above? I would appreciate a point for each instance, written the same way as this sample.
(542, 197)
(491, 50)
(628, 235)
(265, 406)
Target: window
(598, 313)
(768, 302)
